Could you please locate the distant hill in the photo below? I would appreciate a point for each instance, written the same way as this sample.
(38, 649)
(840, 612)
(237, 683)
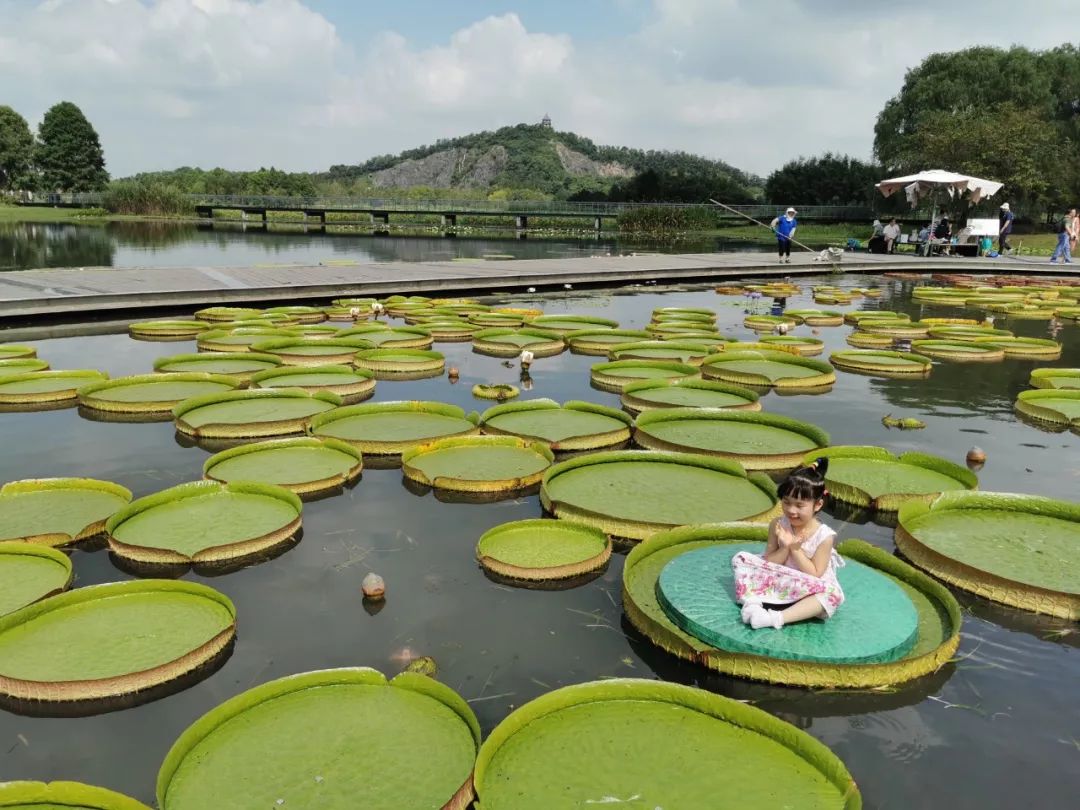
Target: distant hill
(538, 159)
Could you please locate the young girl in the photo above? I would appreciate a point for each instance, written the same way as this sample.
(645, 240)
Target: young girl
(799, 565)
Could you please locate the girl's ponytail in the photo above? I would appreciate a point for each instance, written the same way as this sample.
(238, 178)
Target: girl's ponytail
(806, 483)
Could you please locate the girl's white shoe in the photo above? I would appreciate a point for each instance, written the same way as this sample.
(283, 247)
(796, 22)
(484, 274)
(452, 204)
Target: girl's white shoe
(761, 618)
(747, 610)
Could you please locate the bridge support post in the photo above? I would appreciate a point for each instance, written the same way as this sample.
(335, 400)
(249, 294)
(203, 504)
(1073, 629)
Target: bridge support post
(449, 220)
(521, 222)
(597, 224)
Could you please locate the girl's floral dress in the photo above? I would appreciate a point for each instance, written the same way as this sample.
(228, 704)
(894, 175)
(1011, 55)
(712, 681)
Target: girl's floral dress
(764, 582)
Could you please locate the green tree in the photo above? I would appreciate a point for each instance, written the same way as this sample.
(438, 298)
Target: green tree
(826, 180)
(16, 150)
(68, 153)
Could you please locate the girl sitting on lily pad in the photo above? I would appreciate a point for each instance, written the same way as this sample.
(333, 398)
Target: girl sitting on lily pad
(797, 573)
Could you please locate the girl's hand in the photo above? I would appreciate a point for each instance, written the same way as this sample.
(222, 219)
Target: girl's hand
(786, 538)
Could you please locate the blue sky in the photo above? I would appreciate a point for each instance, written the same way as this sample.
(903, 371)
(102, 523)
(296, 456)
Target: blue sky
(304, 84)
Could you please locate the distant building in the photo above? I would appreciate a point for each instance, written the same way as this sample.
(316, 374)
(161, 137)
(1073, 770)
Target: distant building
(545, 122)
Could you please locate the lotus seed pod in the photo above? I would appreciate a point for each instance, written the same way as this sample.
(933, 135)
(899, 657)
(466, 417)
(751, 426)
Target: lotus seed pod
(373, 586)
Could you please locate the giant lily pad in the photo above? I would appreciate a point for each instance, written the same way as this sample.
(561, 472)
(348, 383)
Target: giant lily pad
(950, 331)
(58, 511)
(758, 441)
(241, 365)
(1051, 406)
(882, 362)
(572, 426)
(389, 428)
(1025, 347)
(152, 393)
(241, 338)
(768, 369)
(803, 346)
(477, 464)
(11, 351)
(205, 522)
(63, 796)
(450, 331)
(875, 478)
(632, 495)
(399, 337)
(959, 351)
(304, 465)
(299, 313)
(652, 744)
(816, 317)
(600, 341)
(684, 314)
(22, 365)
(46, 387)
(512, 342)
(543, 550)
(400, 363)
(937, 631)
(103, 641)
(312, 351)
(572, 323)
(675, 351)
(351, 384)
(1019, 550)
(767, 323)
(251, 414)
(1056, 378)
(367, 742)
(867, 315)
(615, 376)
(167, 330)
(647, 395)
(225, 314)
(29, 573)
(897, 328)
(864, 340)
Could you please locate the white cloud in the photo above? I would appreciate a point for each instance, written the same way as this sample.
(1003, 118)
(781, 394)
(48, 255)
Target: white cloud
(241, 83)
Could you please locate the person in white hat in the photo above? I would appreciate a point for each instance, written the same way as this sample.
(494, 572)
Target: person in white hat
(1005, 223)
(784, 228)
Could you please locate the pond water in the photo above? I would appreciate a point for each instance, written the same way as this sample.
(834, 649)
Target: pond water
(25, 245)
(997, 727)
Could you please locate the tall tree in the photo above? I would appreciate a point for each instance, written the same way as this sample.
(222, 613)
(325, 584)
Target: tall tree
(826, 180)
(16, 150)
(68, 153)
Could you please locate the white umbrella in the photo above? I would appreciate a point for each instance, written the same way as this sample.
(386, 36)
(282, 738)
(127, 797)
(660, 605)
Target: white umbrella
(919, 185)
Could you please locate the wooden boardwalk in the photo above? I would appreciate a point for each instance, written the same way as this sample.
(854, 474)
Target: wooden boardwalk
(80, 292)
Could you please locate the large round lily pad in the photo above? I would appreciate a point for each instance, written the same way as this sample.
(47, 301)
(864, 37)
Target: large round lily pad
(12, 351)
(1025, 347)
(675, 351)
(650, 394)
(876, 623)
(960, 351)
(632, 495)
(512, 342)
(366, 742)
(205, 522)
(30, 572)
(241, 365)
(875, 478)
(317, 351)
(400, 363)
(1058, 408)
(22, 365)
(758, 441)
(952, 331)
(252, 413)
(543, 550)
(479, 464)
(225, 314)
(167, 330)
(1020, 550)
(1056, 377)
(600, 341)
(351, 384)
(152, 393)
(63, 796)
(816, 317)
(58, 511)
(399, 337)
(616, 375)
(572, 323)
(651, 744)
(882, 362)
(572, 426)
(240, 339)
(803, 346)
(103, 641)
(304, 465)
(389, 428)
(938, 614)
(300, 313)
(46, 387)
(777, 369)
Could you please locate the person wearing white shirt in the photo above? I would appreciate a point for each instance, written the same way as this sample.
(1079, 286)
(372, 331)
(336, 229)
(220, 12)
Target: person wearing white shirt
(892, 234)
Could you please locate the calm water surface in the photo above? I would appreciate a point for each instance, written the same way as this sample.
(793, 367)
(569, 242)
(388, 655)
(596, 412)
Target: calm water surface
(1000, 727)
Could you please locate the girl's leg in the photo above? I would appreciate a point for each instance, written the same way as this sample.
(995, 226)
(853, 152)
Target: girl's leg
(809, 607)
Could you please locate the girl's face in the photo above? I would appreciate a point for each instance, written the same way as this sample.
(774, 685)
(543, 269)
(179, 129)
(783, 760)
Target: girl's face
(800, 511)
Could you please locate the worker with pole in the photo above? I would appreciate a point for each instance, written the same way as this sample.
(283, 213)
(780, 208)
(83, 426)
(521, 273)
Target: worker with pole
(784, 228)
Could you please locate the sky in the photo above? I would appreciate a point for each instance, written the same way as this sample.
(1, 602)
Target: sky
(305, 84)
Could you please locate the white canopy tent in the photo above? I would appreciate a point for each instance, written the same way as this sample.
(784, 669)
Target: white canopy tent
(930, 182)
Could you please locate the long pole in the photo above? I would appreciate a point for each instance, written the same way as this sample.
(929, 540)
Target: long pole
(762, 224)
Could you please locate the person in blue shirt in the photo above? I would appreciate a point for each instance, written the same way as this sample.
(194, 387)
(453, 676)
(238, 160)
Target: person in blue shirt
(1005, 223)
(784, 228)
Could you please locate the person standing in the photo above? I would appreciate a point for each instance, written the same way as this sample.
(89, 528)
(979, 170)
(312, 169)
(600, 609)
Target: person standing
(1065, 229)
(1005, 224)
(784, 228)
(892, 234)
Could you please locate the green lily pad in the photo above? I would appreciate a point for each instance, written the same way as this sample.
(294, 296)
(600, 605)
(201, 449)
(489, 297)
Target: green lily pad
(481, 464)
(870, 361)
(804, 346)
(400, 337)
(965, 332)
(767, 368)
(649, 744)
(12, 351)
(28, 573)
(958, 350)
(304, 465)
(673, 350)
(388, 428)
(1056, 378)
(227, 313)
(205, 522)
(632, 495)
(58, 511)
(299, 351)
(572, 426)
(511, 342)
(394, 361)
(43, 387)
(649, 394)
(600, 341)
(107, 640)
(300, 313)
(758, 441)
(1016, 549)
(152, 393)
(351, 384)
(22, 365)
(236, 364)
(63, 796)
(816, 317)
(1050, 406)
(1025, 347)
(405, 743)
(539, 550)
(167, 330)
(875, 478)
(241, 338)
(616, 375)
(572, 323)
(251, 413)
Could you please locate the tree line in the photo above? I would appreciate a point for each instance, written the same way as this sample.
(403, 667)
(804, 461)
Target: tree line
(65, 154)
